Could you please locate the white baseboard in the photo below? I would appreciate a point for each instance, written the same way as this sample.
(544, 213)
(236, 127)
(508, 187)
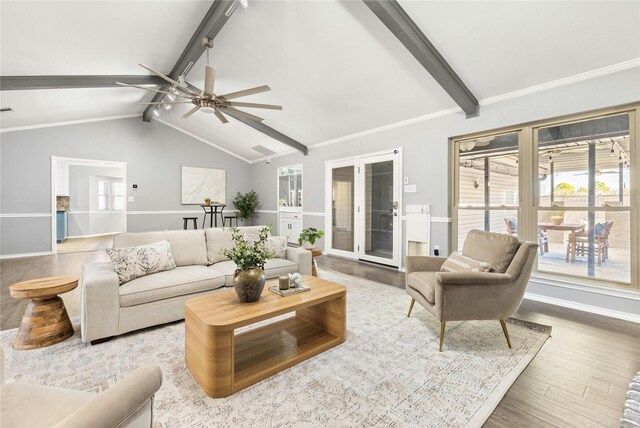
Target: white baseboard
(584, 307)
(20, 255)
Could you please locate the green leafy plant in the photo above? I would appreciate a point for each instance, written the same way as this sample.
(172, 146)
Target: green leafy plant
(246, 204)
(249, 251)
(310, 234)
(207, 201)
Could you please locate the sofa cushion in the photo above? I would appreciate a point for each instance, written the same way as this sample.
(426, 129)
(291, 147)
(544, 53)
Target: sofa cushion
(135, 262)
(423, 283)
(219, 239)
(187, 246)
(276, 267)
(278, 246)
(226, 268)
(495, 248)
(456, 262)
(272, 269)
(164, 285)
(28, 405)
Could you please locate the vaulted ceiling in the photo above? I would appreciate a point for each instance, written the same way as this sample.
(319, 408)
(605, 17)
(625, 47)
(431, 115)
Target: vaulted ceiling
(335, 68)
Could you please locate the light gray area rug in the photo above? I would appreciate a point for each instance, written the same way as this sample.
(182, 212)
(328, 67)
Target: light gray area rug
(388, 373)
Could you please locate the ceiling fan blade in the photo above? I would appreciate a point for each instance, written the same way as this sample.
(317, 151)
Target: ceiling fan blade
(245, 92)
(152, 90)
(253, 105)
(170, 80)
(209, 80)
(190, 112)
(220, 116)
(168, 102)
(242, 113)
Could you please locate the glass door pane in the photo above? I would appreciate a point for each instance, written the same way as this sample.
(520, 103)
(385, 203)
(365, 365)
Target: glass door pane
(380, 210)
(342, 208)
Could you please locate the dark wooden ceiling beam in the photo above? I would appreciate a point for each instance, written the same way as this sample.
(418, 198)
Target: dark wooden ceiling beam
(394, 17)
(276, 135)
(27, 83)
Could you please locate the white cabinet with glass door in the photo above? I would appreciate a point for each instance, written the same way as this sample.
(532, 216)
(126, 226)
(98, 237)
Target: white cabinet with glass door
(290, 202)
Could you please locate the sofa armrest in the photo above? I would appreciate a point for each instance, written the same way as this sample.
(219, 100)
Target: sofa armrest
(128, 399)
(302, 257)
(99, 302)
(423, 263)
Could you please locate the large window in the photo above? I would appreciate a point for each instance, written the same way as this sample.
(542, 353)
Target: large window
(568, 185)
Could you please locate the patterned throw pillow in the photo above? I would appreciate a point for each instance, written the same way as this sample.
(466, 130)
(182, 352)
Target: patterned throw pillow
(277, 245)
(456, 262)
(133, 262)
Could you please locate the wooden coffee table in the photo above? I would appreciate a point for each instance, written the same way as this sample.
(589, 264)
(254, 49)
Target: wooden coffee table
(224, 363)
(45, 320)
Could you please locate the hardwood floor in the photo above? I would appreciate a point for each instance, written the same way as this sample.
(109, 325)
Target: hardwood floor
(578, 379)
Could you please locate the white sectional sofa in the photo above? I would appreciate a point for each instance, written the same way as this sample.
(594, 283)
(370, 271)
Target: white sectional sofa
(109, 309)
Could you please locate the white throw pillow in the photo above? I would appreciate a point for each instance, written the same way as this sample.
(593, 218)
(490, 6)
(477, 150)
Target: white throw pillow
(133, 262)
(456, 262)
(277, 245)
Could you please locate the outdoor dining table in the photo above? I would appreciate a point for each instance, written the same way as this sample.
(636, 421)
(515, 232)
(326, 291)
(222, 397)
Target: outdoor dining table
(572, 228)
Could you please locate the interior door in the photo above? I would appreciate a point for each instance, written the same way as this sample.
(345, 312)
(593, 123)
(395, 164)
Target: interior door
(378, 209)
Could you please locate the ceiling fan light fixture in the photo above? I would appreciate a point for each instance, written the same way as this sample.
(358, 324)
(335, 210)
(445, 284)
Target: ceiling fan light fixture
(207, 109)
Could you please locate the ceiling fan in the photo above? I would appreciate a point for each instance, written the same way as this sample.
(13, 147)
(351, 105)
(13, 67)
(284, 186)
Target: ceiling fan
(207, 101)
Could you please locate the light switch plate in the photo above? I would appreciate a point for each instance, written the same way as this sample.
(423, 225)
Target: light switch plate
(130, 199)
(410, 188)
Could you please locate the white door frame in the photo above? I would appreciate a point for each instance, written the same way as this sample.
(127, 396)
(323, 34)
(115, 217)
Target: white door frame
(79, 161)
(357, 161)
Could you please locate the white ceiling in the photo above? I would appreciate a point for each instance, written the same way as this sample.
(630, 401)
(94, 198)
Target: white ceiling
(334, 66)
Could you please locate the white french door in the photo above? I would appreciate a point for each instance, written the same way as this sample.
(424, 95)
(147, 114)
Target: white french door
(363, 218)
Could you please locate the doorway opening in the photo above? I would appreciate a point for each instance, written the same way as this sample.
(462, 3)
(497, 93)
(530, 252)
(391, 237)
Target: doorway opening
(89, 203)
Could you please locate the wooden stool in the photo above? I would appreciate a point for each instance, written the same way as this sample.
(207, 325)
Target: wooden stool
(315, 252)
(45, 319)
(230, 218)
(185, 221)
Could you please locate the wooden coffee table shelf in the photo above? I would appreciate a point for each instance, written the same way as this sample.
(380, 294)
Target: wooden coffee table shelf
(224, 363)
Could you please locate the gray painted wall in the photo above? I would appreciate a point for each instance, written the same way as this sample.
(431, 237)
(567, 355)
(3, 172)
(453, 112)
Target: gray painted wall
(154, 154)
(425, 145)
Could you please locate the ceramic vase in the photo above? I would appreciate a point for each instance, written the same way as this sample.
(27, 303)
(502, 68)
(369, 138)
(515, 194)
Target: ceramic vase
(249, 284)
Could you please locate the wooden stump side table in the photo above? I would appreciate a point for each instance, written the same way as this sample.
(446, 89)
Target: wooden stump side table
(45, 321)
(315, 252)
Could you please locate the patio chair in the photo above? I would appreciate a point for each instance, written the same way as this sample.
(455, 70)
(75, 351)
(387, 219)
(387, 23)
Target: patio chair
(543, 237)
(601, 242)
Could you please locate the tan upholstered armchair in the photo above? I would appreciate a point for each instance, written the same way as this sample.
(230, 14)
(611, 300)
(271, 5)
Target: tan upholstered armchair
(461, 296)
(128, 403)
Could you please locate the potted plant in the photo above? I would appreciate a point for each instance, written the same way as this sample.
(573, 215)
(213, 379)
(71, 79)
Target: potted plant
(309, 236)
(246, 205)
(557, 218)
(249, 253)
(207, 202)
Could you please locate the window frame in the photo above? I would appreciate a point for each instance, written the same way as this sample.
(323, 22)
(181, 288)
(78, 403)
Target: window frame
(529, 189)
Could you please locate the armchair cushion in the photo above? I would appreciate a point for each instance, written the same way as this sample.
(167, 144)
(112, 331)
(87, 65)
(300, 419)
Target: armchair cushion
(456, 262)
(495, 248)
(423, 283)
